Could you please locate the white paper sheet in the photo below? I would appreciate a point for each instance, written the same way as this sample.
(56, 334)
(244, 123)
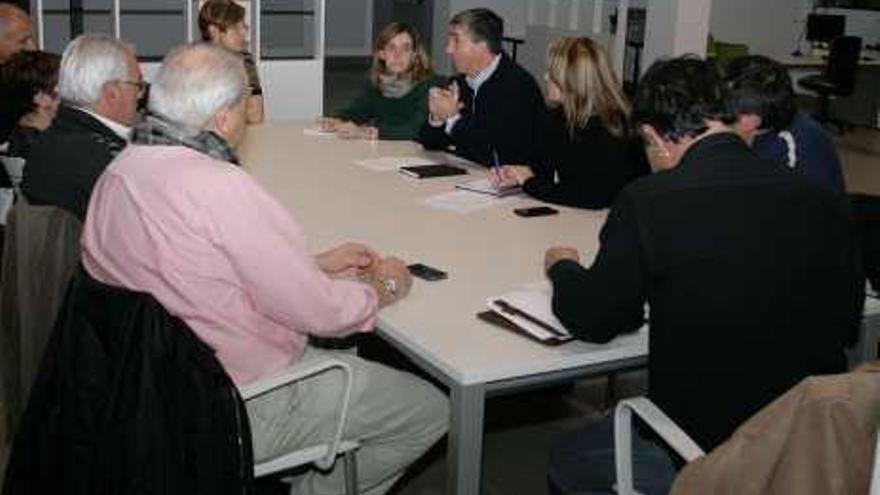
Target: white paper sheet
(463, 201)
(314, 132)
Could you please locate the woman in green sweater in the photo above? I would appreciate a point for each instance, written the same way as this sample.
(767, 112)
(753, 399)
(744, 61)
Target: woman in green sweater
(394, 104)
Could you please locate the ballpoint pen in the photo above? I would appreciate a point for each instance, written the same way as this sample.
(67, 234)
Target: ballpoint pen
(496, 167)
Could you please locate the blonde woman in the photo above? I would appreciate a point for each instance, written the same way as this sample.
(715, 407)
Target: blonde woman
(223, 23)
(394, 103)
(590, 151)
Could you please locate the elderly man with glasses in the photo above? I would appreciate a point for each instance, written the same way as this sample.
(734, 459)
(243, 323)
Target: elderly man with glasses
(99, 84)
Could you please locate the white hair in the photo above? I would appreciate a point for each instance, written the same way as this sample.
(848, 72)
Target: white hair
(89, 62)
(196, 81)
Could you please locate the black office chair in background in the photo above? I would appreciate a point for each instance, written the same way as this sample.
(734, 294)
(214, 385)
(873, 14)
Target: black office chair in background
(839, 77)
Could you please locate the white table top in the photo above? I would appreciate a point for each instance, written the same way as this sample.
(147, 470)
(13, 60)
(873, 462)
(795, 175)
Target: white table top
(486, 252)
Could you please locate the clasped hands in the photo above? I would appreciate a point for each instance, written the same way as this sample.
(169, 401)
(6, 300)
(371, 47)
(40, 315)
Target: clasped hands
(444, 103)
(346, 129)
(358, 260)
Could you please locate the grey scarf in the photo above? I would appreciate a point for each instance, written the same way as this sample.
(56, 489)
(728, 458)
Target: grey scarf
(158, 131)
(394, 85)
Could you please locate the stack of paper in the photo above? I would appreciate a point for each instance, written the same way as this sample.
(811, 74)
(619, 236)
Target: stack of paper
(387, 163)
(530, 310)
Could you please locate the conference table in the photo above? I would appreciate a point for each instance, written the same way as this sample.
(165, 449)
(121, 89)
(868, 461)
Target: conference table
(486, 251)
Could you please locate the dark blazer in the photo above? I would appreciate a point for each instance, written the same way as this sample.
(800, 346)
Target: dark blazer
(67, 159)
(592, 165)
(129, 400)
(506, 116)
(751, 272)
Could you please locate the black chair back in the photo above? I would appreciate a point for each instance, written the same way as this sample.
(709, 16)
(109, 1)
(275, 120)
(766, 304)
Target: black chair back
(843, 63)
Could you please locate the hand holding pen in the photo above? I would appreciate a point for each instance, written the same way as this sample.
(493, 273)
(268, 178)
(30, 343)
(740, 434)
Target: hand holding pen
(501, 176)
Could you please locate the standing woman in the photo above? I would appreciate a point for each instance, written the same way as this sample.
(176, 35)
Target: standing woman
(394, 103)
(223, 23)
(591, 150)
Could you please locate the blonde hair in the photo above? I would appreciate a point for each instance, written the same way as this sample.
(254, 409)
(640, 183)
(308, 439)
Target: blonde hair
(421, 67)
(580, 69)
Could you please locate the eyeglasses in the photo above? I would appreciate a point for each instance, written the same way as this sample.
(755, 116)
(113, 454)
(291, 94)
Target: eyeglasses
(140, 85)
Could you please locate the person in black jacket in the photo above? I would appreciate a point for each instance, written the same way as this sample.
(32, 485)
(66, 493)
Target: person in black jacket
(99, 84)
(590, 150)
(493, 107)
(750, 270)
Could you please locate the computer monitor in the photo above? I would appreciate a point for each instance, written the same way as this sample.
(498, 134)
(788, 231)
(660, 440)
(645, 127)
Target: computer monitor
(824, 28)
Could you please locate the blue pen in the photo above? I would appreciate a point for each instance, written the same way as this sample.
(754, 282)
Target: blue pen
(496, 166)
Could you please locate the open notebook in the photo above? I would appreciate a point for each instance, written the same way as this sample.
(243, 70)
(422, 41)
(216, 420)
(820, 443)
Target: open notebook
(483, 186)
(528, 311)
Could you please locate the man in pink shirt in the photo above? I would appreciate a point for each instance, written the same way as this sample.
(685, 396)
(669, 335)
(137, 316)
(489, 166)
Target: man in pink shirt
(174, 216)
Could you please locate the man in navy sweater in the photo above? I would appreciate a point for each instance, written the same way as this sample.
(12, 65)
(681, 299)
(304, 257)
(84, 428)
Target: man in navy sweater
(493, 109)
(761, 97)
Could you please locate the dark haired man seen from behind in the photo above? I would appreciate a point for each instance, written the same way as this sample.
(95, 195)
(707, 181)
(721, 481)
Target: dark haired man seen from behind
(761, 97)
(750, 270)
(493, 107)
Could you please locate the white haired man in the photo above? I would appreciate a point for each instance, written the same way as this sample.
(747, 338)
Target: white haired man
(16, 32)
(173, 216)
(99, 84)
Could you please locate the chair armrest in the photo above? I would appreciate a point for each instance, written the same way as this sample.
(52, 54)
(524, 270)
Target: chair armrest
(660, 423)
(299, 372)
(875, 478)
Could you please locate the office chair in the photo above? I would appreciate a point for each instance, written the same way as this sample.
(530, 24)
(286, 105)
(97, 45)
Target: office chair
(839, 76)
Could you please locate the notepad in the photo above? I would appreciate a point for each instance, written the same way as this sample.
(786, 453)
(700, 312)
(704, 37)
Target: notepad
(529, 309)
(483, 186)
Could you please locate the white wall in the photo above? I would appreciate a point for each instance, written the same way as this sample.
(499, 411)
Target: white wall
(676, 27)
(768, 28)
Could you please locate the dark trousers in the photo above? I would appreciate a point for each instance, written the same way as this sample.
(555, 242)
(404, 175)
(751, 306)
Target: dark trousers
(582, 463)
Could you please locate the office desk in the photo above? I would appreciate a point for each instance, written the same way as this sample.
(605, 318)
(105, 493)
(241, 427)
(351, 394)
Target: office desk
(870, 58)
(486, 253)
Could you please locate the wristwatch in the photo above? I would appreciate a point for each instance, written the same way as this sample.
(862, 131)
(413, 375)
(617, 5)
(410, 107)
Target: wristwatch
(390, 286)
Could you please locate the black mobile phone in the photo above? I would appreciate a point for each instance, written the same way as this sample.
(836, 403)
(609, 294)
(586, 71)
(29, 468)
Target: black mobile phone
(535, 211)
(426, 272)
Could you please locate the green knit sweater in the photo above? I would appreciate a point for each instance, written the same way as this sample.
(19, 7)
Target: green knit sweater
(396, 118)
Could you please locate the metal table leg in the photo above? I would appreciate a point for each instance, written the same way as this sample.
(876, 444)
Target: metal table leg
(464, 457)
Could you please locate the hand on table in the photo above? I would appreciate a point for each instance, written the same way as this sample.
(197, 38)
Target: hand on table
(329, 124)
(348, 256)
(557, 253)
(395, 270)
(350, 130)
